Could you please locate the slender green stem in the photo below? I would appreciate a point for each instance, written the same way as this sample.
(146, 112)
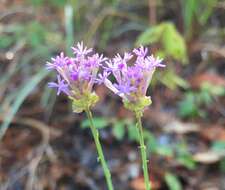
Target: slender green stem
(101, 157)
(143, 152)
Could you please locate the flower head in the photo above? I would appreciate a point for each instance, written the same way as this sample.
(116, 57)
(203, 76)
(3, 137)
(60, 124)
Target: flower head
(132, 81)
(61, 86)
(76, 75)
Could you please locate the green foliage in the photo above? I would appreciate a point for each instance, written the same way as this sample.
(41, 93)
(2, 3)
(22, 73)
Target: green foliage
(189, 7)
(123, 127)
(151, 142)
(198, 11)
(35, 34)
(37, 2)
(207, 6)
(166, 34)
(172, 181)
(99, 123)
(191, 105)
(151, 35)
(6, 41)
(57, 3)
(173, 43)
(188, 107)
(164, 150)
(172, 80)
(21, 96)
(172, 46)
(119, 130)
(218, 146)
(132, 133)
(184, 157)
(186, 160)
(213, 90)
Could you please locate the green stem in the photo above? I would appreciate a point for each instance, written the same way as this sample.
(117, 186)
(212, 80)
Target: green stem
(143, 152)
(101, 157)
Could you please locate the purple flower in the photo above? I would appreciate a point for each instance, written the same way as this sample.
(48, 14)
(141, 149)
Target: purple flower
(76, 75)
(60, 85)
(155, 62)
(80, 50)
(102, 77)
(132, 80)
(59, 61)
(141, 52)
(125, 88)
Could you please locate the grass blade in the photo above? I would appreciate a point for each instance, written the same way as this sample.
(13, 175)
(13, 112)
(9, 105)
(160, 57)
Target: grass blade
(22, 94)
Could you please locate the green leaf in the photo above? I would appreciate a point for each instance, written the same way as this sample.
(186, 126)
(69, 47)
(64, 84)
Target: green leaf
(173, 43)
(166, 34)
(151, 142)
(215, 90)
(187, 161)
(119, 130)
(21, 96)
(218, 146)
(184, 157)
(172, 80)
(190, 7)
(164, 150)
(188, 107)
(132, 133)
(172, 181)
(151, 35)
(196, 11)
(206, 8)
(204, 97)
(99, 123)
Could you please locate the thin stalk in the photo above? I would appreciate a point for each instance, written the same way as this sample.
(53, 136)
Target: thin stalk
(101, 157)
(143, 152)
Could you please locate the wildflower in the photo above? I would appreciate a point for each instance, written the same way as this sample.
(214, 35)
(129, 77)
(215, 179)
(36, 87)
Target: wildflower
(75, 78)
(132, 81)
(61, 86)
(77, 75)
(131, 85)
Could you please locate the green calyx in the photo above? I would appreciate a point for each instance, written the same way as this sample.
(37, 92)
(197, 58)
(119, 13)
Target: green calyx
(139, 106)
(86, 102)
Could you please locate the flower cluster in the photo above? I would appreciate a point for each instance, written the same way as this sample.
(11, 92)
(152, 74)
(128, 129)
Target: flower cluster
(77, 75)
(133, 80)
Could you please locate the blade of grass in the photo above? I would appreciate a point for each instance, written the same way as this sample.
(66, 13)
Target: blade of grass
(21, 96)
(69, 27)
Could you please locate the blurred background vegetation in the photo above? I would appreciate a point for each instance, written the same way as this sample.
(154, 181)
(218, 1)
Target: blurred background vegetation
(184, 128)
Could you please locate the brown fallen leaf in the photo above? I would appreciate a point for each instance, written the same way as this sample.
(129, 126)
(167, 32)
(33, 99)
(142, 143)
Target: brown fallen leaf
(215, 132)
(139, 184)
(199, 79)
